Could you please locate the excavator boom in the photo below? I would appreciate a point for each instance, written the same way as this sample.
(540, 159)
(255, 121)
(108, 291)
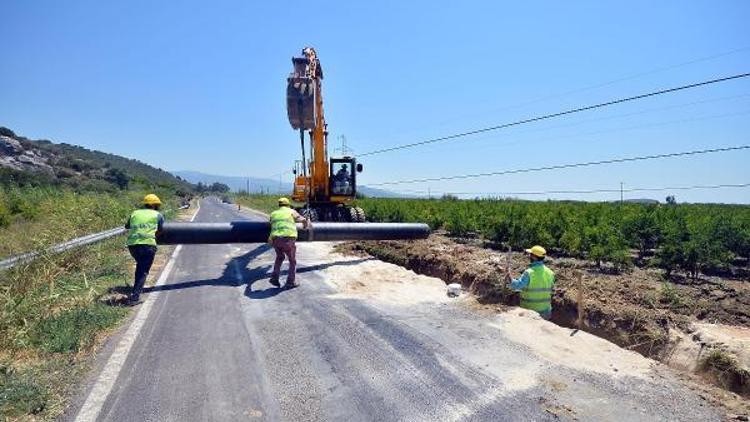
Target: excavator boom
(326, 197)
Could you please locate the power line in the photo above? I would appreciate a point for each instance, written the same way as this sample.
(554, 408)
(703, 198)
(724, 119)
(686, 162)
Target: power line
(558, 114)
(583, 135)
(624, 78)
(589, 191)
(567, 166)
(641, 74)
(621, 129)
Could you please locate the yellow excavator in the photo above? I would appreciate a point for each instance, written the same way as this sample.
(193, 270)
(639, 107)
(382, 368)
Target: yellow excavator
(326, 185)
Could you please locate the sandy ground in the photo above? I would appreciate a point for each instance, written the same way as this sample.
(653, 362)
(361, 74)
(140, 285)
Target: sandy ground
(394, 285)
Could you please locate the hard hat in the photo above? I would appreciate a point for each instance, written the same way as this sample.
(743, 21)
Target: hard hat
(284, 201)
(537, 251)
(151, 199)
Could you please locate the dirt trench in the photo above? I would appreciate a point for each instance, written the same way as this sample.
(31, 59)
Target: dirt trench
(636, 310)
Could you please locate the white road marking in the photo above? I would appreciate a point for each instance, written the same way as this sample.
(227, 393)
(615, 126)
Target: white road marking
(103, 386)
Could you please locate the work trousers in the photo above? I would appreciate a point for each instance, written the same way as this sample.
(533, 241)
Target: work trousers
(285, 246)
(144, 258)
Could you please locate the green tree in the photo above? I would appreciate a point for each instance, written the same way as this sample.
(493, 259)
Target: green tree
(643, 231)
(118, 177)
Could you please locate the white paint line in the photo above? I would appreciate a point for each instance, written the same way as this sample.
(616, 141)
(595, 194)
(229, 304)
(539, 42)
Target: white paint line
(103, 386)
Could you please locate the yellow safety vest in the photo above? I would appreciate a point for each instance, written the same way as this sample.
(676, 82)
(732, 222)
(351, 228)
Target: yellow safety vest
(537, 295)
(282, 223)
(143, 226)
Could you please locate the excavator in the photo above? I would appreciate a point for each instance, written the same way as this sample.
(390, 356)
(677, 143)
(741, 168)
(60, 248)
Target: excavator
(326, 185)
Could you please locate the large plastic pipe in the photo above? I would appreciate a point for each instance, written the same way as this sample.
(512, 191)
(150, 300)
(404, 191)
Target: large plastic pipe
(257, 232)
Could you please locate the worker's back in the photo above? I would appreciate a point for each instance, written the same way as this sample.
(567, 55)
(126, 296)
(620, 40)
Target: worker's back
(537, 295)
(282, 223)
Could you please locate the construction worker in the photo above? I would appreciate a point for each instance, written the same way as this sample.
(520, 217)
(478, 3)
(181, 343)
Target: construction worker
(536, 283)
(143, 225)
(283, 237)
(341, 181)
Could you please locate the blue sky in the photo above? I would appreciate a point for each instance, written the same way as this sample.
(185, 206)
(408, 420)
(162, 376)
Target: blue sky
(200, 85)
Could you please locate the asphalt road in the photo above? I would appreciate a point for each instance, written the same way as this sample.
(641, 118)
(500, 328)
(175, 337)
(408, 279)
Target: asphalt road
(221, 344)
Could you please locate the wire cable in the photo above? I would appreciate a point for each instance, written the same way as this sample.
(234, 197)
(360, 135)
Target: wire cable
(567, 166)
(588, 191)
(558, 114)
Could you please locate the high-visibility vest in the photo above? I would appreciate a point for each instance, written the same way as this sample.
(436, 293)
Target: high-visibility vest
(537, 295)
(282, 223)
(143, 225)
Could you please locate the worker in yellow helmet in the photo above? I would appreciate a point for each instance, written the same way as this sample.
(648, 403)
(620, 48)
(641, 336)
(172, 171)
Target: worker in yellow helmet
(283, 239)
(143, 225)
(536, 283)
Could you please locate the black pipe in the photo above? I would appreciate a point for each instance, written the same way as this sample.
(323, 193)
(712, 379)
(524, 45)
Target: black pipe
(257, 232)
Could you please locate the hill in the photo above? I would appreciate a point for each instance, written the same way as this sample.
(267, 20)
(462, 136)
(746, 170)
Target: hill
(41, 162)
(264, 185)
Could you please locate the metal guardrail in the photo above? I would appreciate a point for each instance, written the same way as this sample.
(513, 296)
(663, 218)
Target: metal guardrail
(62, 247)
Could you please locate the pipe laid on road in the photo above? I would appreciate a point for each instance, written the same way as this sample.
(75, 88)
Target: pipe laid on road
(257, 232)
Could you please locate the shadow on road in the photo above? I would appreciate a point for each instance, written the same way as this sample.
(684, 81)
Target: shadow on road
(228, 277)
(263, 272)
(237, 273)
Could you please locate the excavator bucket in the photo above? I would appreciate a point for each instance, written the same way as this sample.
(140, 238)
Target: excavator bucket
(300, 92)
(300, 102)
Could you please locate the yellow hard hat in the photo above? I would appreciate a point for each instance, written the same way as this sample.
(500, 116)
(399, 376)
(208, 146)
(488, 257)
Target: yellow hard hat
(151, 199)
(537, 251)
(284, 201)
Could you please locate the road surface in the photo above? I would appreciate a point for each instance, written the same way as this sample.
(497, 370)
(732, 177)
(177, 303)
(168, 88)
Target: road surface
(221, 344)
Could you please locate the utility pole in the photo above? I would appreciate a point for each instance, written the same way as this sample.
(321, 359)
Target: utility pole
(429, 194)
(622, 197)
(344, 146)
(247, 184)
(280, 174)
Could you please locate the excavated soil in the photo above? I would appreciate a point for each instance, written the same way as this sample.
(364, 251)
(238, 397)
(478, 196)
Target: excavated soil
(636, 309)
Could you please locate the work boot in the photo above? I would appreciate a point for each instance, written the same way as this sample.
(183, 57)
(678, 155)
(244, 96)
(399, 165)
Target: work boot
(291, 284)
(274, 281)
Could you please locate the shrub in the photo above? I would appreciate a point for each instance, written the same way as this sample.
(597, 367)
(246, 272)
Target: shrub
(74, 329)
(20, 396)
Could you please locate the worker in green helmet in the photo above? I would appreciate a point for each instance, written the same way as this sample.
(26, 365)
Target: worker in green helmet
(536, 283)
(283, 239)
(143, 225)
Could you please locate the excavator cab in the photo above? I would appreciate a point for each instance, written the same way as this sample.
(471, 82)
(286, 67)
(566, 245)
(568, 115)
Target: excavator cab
(343, 183)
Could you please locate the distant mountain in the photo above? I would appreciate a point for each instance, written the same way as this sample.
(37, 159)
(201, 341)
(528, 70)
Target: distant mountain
(236, 183)
(26, 161)
(258, 185)
(381, 193)
(642, 201)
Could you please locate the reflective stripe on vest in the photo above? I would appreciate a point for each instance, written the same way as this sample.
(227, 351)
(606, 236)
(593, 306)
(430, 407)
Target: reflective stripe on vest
(143, 226)
(282, 223)
(537, 296)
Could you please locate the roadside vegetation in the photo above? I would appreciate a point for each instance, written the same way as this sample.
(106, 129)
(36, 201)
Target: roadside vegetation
(33, 218)
(692, 238)
(56, 309)
(52, 311)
